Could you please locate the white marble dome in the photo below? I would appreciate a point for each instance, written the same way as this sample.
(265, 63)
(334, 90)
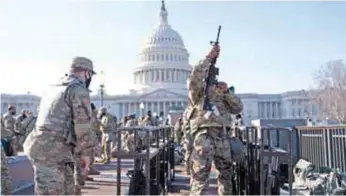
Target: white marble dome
(163, 61)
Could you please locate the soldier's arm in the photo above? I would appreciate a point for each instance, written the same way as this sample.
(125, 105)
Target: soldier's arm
(81, 108)
(8, 123)
(234, 103)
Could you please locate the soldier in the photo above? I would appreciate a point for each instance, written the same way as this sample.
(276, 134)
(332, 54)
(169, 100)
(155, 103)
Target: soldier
(208, 131)
(148, 121)
(62, 128)
(6, 182)
(178, 130)
(107, 126)
(27, 126)
(20, 129)
(9, 124)
(95, 127)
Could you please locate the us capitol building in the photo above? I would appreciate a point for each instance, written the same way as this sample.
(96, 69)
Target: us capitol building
(160, 83)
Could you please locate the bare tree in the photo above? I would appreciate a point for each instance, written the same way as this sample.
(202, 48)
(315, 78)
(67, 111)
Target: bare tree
(330, 90)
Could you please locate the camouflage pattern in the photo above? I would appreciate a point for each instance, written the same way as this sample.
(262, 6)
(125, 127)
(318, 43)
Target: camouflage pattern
(178, 131)
(95, 127)
(64, 109)
(6, 182)
(187, 139)
(128, 138)
(107, 127)
(209, 132)
(20, 130)
(9, 124)
(27, 126)
(84, 63)
(148, 121)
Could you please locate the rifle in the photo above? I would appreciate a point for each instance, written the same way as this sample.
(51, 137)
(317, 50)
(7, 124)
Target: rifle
(212, 74)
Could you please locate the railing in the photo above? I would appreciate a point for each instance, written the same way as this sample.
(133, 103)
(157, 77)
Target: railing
(324, 146)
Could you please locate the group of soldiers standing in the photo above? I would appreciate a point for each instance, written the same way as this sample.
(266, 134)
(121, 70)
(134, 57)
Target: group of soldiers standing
(69, 128)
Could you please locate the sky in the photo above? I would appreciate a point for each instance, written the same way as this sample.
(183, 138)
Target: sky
(266, 47)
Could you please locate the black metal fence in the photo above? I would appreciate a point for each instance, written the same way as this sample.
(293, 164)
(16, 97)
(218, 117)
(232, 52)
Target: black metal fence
(323, 146)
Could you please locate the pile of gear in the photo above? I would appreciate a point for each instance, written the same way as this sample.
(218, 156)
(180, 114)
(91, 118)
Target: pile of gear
(327, 182)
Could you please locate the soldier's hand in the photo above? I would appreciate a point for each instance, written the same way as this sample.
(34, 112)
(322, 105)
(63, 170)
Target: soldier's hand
(214, 53)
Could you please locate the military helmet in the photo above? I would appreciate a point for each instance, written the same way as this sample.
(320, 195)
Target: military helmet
(83, 63)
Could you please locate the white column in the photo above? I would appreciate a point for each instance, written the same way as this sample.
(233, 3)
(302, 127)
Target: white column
(123, 109)
(159, 106)
(164, 108)
(146, 107)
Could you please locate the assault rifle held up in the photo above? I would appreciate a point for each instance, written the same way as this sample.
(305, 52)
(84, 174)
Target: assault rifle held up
(212, 74)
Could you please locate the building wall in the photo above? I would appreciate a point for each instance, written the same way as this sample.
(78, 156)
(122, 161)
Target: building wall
(288, 105)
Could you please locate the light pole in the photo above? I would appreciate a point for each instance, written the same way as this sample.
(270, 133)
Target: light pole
(141, 106)
(102, 86)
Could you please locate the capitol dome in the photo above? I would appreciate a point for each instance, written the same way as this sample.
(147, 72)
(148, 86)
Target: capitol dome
(163, 60)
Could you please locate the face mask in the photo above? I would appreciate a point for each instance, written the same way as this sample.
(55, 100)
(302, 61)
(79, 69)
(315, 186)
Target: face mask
(87, 79)
(13, 112)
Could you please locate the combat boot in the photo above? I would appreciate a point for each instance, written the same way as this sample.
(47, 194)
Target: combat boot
(93, 171)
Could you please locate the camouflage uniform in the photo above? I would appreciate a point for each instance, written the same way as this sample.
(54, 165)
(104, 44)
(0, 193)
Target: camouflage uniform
(27, 126)
(6, 182)
(187, 140)
(95, 127)
(9, 124)
(20, 129)
(107, 126)
(207, 129)
(178, 131)
(128, 137)
(62, 127)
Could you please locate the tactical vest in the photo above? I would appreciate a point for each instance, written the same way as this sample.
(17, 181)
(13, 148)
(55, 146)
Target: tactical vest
(56, 114)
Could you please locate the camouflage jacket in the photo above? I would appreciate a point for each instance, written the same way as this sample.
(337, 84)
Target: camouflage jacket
(9, 124)
(64, 111)
(107, 124)
(28, 124)
(223, 103)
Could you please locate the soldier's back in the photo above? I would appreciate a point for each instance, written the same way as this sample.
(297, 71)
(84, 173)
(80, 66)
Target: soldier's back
(47, 140)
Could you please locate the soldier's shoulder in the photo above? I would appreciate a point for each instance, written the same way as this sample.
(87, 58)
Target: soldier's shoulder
(77, 89)
(7, 116)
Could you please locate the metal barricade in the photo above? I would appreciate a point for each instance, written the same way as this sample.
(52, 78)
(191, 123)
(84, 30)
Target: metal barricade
(260, 175)
(156, 147)
(324, 146)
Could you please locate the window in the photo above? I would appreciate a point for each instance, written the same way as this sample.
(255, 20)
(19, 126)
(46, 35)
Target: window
(153, 57)
(175, 58)
(162, 57)
(162, 76)
(157, 76)
(149, 58)
(171, 57)
(167, 57)
(157, 57)
(167, 74)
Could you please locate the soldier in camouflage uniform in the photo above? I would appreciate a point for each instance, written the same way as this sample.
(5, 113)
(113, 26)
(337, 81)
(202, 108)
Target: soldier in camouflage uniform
(62, 128)
(107, 126)
(148, 121)
(6, 182)
(95, 127)
(208, 130)
(9, 124)
(28, 125)
(20, 129)
(178, 130)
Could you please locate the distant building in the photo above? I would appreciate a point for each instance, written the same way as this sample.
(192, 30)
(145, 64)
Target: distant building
(160, 83)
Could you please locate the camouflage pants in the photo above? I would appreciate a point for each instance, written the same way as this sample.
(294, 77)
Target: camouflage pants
(52, 178)
(81, 165)
(209, 145)
(188, 146)
(106, 146)
(6, 182)
(14, 145)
